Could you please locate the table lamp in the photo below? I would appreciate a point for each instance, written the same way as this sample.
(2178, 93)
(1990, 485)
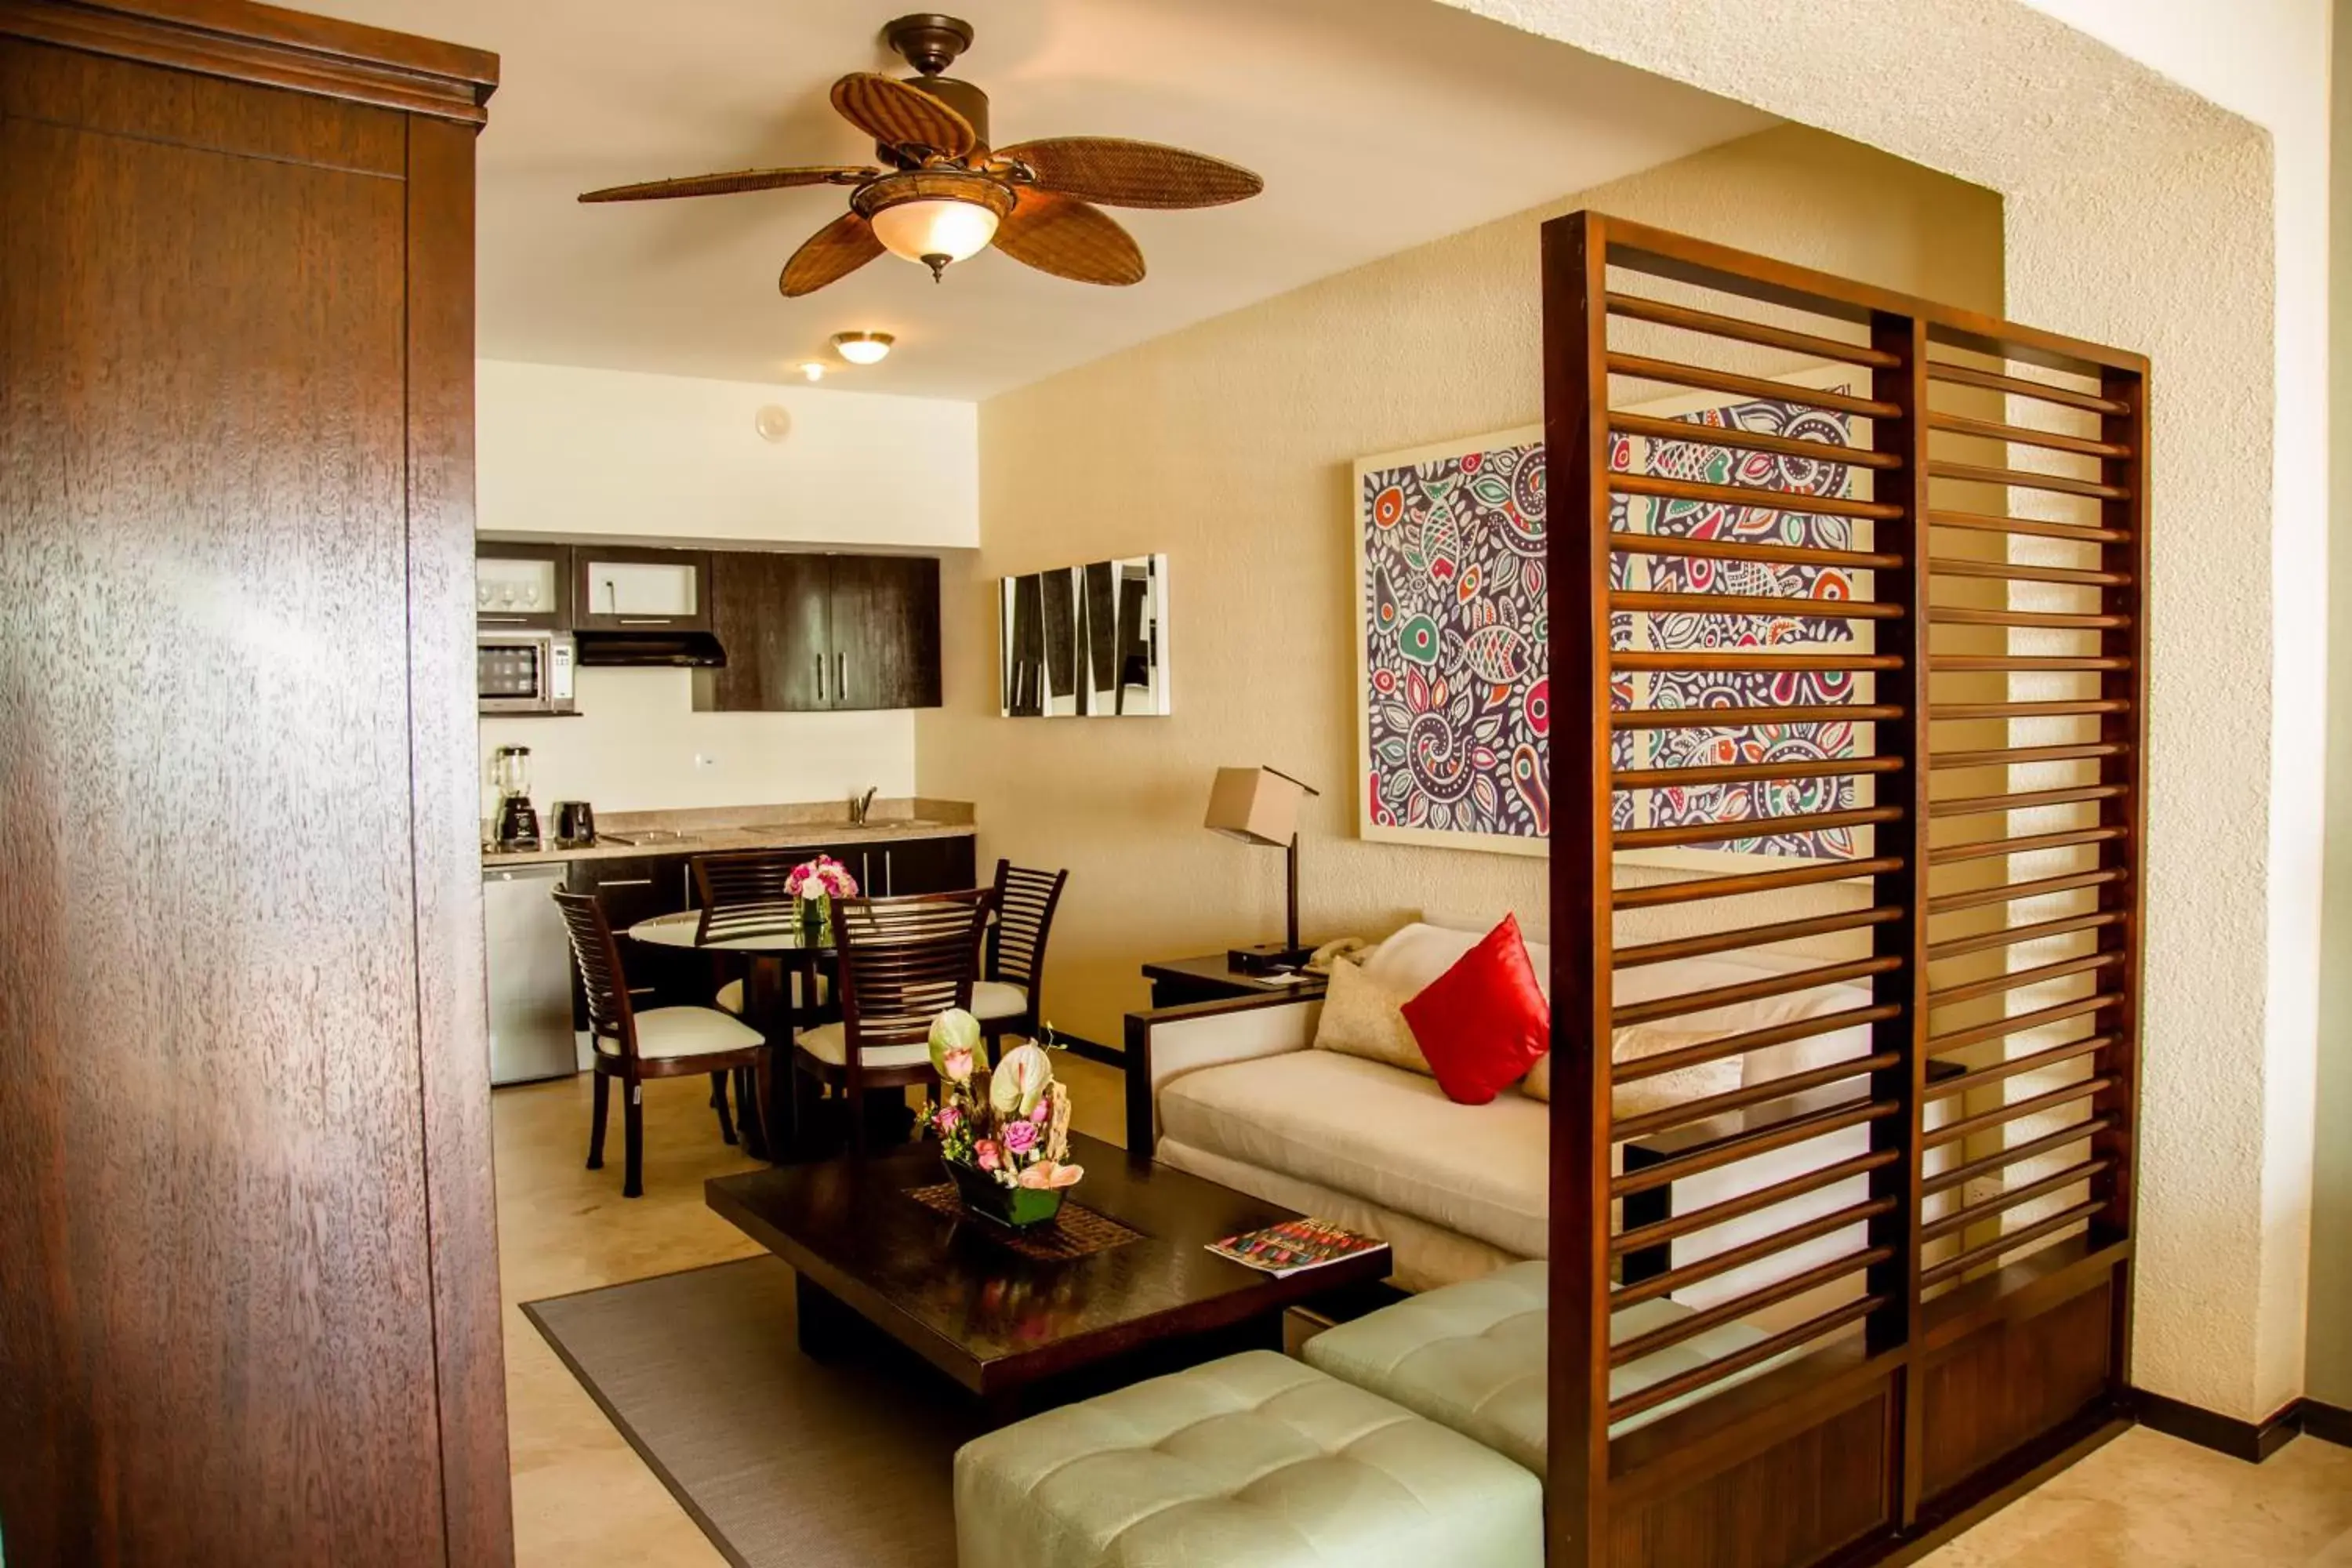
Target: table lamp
(1260, 806)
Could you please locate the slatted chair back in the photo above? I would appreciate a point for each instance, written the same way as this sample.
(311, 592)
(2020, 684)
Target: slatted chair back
(743, 895)
(906, 960)
(598, 958)
(1024, 902)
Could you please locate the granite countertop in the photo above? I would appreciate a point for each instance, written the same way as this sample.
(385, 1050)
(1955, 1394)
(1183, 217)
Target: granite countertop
(720, 829)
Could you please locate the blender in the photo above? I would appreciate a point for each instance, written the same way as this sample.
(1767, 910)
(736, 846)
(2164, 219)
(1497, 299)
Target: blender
(517, 824)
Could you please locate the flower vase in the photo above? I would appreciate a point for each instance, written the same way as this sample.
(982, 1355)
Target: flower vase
(816, 921)
(1016, 1208)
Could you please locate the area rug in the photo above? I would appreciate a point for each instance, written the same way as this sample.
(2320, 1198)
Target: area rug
(784, 1462)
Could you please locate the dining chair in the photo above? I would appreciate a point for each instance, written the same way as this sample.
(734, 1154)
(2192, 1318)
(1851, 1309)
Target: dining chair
(743, 895)
(1005, 997)
(903, 962)
(631, 1046)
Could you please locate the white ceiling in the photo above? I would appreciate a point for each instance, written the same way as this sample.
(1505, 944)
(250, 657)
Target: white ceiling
(1378, 124)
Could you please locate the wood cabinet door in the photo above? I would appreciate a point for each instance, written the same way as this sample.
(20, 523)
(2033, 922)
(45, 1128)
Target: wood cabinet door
(886, 631)
(248, 1274)
(929, 865)
(772, 613)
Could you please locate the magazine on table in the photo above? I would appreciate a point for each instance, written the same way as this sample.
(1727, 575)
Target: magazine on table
(1295, 1245)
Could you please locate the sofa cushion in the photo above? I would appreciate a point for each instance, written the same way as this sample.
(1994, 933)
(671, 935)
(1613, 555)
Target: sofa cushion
(1484, 1022)
(1362, 1017)
(1254, 1461)
(1472, 1357)
(1416, 955)
(1390, 1138)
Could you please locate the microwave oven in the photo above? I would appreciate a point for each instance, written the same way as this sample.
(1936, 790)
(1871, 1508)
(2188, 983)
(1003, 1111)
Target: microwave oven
(523, 672)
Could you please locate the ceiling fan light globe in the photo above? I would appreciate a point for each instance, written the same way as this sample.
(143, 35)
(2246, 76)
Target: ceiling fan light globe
(940, 228)
(863, 348)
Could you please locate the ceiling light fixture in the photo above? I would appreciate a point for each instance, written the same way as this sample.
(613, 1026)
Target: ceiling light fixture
(863, 348)
(936, 217)
(812, 371)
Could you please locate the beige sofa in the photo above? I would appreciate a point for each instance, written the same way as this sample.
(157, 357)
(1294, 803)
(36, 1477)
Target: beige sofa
(1235, 1091)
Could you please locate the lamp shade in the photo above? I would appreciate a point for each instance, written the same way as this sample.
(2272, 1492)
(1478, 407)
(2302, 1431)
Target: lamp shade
(1255, 805)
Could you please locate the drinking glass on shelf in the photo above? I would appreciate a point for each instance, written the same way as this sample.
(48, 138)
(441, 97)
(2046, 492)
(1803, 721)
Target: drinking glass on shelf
(482, 595)
(507, 594)
(531, 596)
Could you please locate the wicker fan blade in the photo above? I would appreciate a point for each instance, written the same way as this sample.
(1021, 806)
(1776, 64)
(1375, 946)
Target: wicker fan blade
(728, 184)
(1133, 173)
(832, 253)
(897, 115)
(1064, 237)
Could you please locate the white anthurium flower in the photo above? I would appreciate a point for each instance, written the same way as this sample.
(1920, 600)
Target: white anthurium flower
(955, 1045)
(1023, 1074)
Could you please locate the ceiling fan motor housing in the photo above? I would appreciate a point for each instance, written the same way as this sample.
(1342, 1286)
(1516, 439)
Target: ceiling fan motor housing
(929, 41)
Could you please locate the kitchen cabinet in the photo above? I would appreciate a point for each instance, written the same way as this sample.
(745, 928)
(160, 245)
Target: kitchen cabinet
(622, 588)
(771, 613)
(822, 633)
(523, 586)
(899, 867)
(885, 618)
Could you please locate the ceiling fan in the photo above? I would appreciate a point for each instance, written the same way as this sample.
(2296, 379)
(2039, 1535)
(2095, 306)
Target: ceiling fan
(944, 193)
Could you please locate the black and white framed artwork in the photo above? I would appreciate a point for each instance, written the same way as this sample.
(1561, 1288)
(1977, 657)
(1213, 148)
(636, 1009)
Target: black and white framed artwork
(1086, 642)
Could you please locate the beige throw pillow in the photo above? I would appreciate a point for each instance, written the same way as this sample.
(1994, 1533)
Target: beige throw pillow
(1360, 1018)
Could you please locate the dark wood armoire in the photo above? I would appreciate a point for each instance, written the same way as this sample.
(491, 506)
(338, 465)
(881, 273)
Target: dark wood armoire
(248, 1278)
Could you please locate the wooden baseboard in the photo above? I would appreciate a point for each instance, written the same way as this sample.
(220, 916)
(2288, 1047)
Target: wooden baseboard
(2328, 1423)
(2252, 1441)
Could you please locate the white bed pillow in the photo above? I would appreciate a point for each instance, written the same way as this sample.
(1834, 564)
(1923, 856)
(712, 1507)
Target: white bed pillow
(1362, 1017)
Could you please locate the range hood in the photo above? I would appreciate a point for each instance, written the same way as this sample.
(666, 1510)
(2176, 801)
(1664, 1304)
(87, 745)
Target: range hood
(654, 648)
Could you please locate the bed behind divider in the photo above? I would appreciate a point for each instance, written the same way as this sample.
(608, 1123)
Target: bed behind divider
(1976, 1333)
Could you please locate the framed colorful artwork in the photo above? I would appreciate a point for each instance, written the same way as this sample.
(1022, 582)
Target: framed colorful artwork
(1451, 642)
(1453, 696)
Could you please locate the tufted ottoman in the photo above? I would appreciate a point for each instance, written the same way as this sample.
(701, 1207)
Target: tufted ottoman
(1250, 1462)
(1471, 1356)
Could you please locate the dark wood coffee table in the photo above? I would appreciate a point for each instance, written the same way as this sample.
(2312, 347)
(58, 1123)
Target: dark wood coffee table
(999, 1323)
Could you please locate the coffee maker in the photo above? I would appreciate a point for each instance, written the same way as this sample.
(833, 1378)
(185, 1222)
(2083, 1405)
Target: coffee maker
(517, 824)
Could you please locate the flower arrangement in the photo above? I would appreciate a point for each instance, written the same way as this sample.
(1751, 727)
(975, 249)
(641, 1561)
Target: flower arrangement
(1004, 1134)
(813, 885)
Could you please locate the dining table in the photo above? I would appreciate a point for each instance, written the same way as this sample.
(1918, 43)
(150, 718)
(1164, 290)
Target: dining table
(773, 956)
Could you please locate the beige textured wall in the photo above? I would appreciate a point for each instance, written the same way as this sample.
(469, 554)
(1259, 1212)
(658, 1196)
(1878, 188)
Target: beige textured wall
(2329, 1376)
(1229, 446)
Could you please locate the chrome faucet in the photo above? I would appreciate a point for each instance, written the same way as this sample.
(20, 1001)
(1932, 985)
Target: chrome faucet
(860, 804)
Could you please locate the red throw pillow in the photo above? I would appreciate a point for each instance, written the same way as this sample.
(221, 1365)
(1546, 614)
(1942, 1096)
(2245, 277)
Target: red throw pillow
(1484, 1022)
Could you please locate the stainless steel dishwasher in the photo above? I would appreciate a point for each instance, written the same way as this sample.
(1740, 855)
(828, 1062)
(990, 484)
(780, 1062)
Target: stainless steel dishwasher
(530, 962)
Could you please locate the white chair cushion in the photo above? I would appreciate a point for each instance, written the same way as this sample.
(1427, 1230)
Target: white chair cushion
(829, 1043)
(1378, 1133)
(666, 1033)
(1472, 1356)
(997, 999)
(730, 996)
(1254, 1461)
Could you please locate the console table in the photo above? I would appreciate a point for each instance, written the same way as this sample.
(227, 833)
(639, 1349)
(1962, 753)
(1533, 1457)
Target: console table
(1178, 981)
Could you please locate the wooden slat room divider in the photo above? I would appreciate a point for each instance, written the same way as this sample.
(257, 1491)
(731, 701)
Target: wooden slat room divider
(1878, 610)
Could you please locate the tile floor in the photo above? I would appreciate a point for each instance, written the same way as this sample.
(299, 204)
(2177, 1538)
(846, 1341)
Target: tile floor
(583, 1500)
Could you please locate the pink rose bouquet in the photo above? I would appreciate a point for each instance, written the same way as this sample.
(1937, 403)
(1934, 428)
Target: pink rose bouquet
(823, 877)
